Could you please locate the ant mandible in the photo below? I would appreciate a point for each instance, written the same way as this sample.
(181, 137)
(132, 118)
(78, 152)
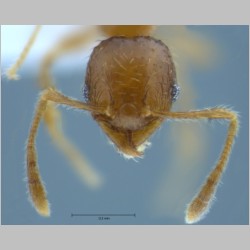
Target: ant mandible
(130, 86)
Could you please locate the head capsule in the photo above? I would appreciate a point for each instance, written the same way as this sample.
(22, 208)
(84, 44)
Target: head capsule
(130, 76)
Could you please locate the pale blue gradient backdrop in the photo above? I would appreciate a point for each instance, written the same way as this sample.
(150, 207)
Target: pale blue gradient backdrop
(128, 184)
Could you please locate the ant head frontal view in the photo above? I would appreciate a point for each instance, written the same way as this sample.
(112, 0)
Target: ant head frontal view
(130, 78)
(130, 86)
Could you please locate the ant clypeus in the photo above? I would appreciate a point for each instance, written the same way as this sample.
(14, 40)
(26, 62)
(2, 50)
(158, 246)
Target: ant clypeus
(130, 86)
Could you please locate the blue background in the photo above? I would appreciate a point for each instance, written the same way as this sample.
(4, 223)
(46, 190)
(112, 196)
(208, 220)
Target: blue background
(129, 186)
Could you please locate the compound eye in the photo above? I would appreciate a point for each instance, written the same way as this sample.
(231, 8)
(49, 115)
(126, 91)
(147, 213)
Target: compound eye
(85, 92)
(175, 91)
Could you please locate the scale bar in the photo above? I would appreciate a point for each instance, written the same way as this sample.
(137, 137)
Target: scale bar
(109, 215)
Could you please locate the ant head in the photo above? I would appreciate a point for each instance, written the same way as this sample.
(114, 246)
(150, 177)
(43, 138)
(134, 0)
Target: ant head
(130, 77)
